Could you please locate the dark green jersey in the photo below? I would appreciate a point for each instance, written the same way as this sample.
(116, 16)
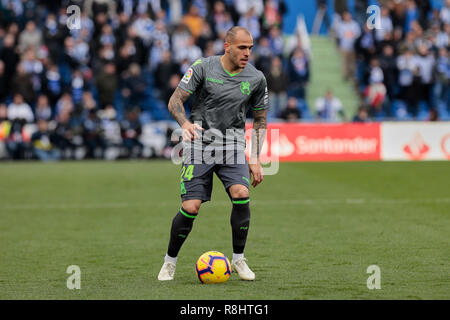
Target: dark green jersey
(222, 99)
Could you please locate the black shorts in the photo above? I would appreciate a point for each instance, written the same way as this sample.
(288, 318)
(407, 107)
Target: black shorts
(196, 178)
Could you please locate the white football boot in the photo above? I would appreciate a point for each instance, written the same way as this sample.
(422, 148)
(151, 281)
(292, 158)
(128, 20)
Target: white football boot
(167, 271)
(240, 266)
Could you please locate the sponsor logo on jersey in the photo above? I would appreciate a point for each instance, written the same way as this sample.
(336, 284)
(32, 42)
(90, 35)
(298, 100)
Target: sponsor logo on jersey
(214, 80)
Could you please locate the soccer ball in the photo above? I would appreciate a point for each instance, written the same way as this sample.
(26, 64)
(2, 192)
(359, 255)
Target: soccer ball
(213, 267)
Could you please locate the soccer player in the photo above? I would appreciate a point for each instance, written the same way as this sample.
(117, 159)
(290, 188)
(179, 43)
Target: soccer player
(224, 88)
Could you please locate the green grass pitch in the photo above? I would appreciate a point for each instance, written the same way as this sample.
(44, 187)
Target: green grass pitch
(315, 229)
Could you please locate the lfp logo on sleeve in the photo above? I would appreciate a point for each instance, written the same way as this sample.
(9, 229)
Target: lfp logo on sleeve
(187, 76)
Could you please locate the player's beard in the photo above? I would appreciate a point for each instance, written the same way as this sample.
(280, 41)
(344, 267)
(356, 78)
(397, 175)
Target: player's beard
(236, 60)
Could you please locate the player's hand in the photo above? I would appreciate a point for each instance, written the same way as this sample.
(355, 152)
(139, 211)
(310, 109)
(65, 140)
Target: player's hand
(191, 131)
(257, 172)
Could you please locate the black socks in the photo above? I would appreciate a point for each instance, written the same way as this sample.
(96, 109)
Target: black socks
(240, 221)
(181, 227)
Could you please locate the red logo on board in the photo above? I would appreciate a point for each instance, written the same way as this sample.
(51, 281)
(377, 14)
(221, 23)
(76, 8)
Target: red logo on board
(416, 149)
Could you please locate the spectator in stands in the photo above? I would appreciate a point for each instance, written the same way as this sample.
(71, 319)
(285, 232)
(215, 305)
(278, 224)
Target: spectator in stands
(360, 9)
(179, 40)
(94, 7)
(298, 68)
(273, 14)
(413, 94)
(221, 19)
(107, 36)
(202, 6)
(205, 37)
(5, 124)
(161, 34)
(131, 130)
(68, 54)
(107, 84)
(388, 65)
(134, 86)
(375, 92)
(408, 44)
(442, 75)
(251, 22)
(193, 21)
(52, 37)
(92, 135)
(31, 37)
(126, 56)
(409, 80)
(243, 6)
(292, 111)
(191, 52)
(17, 142)
(43, 142)
(43, 109)
(365, 45)
(362, 115)
(411, 14)
(386, 24)
(9, 56)
(348, 32)
(426, 62)
(156, 53)
(136, 46)
(111, 132)
(276, 40)
(443, 36)
(3, 82)
(263, 55)
(329, 107)
(20, 110)
(88, 103)
(433, 115)
(165, 69)
(52, 84)
(34, 67)
(22, 84)
(169, 88)
(77, 86)
(218, 44)
(277, 85)
(445, 13)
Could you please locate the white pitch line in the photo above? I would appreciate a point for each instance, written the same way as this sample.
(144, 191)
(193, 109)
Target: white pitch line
(214, 203)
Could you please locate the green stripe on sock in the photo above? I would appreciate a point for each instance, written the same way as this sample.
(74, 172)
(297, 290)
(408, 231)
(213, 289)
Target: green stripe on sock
(186, 215)
(240, 201)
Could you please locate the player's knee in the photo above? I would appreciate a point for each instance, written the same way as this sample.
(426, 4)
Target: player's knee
(192, 206)
(239, 192)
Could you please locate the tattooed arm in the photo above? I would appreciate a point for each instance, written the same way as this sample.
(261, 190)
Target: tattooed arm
(258, 137)
(177, 111)
(176, 107)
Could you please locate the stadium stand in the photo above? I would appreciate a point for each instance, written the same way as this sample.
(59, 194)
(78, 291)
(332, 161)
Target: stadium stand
(101, 90)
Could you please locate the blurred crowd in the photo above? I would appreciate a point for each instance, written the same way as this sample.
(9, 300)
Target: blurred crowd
(399, 63)
(90, 89)
(69, 91)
